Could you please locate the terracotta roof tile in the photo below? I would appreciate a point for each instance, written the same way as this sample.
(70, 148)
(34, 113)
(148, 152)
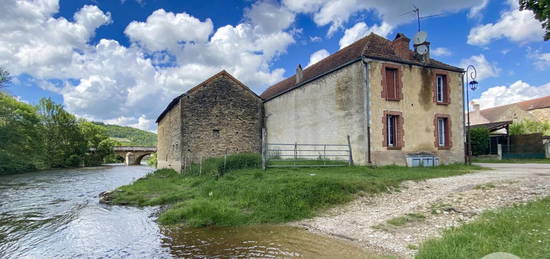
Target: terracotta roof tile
(492, 114)
(371, 46)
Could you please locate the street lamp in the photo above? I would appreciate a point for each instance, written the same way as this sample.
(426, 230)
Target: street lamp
(471, 74)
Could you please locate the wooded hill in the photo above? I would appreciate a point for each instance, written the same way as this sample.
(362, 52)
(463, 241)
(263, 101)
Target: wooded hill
(128, 136)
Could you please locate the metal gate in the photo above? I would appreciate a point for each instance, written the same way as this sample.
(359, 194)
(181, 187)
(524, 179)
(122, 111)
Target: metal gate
(306, 155)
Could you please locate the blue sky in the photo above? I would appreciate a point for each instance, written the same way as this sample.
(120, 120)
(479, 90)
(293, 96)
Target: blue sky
(122, 61)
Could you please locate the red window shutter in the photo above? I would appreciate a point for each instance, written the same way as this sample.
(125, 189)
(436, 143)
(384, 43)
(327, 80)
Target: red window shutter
(391, 85)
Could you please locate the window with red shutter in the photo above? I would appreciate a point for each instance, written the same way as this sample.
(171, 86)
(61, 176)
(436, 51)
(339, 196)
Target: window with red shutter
(392, 91)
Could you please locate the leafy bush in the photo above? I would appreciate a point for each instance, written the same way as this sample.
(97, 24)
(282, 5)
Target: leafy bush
(525, 127)
(479, 138)
(220, 165)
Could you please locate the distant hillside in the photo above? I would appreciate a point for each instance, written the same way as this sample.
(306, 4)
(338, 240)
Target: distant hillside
(128, 136)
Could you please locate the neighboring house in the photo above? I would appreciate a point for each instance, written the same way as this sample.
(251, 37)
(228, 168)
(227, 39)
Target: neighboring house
(221, 115)
(535, 109)
(392, 103)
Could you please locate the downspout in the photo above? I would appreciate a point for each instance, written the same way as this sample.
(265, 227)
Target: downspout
(366, 107)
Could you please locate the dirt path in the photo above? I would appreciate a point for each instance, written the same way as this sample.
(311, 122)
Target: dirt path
(443, 202)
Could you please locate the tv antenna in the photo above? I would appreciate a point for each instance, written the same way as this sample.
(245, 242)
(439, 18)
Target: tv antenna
(416, 12)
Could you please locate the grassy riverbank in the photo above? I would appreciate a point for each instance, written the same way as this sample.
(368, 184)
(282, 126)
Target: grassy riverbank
(248, 196)
(523, 230)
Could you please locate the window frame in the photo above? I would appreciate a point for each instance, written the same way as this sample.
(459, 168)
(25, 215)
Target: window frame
(398, 130)
(446, 91)
(398, 82)
(447, 131)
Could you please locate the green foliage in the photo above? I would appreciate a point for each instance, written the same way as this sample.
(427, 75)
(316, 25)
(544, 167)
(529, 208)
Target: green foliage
(529, 127)
(249, 196)
(62, 137)
(47, 136)
(541, 8)
(152, 161)
(128, 136)
(220, 165)
(479, 138)
(522, 230)
(20, 132)
(5, 77)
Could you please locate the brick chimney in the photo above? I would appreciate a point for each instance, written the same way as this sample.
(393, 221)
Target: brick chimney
(401, 46)
(299, 74)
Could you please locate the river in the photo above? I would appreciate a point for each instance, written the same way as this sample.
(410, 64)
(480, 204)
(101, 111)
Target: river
(56, 214)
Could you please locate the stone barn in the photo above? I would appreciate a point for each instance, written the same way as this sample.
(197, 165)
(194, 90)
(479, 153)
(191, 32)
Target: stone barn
(220, 115)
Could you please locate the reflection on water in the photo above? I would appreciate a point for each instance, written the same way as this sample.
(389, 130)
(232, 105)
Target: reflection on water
(56, 214)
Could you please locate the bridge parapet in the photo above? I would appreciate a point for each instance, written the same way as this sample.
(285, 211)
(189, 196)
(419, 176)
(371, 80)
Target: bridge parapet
(134, 149)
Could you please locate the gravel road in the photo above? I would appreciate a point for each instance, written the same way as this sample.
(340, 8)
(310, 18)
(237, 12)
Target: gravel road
(444, 202)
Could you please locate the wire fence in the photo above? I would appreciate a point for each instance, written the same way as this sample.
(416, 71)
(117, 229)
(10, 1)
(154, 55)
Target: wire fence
(306, 155)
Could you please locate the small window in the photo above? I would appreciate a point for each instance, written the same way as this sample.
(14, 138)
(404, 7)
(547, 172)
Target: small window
(216, 133)
(441, 89)
(392, 84)
(443, 132)
(392, 130)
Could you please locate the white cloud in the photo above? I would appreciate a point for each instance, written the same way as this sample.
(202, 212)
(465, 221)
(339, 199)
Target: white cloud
(484, 68)
(337, 12)
(516, 92)
(540, 60)
(318, 56)
(269, 17)
(173, 29)
(124, 84)
(360, 30)
(441, 52)
(514, 25)
(475, 12)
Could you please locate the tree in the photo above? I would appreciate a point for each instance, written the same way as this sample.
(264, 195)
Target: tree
(529, 127)
(97, 141)
(479, 138)
(62, 136)
(20, 145)
(5, 77)
(541, 8)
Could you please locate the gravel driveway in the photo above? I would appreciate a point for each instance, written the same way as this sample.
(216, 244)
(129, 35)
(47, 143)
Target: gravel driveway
(444, 202)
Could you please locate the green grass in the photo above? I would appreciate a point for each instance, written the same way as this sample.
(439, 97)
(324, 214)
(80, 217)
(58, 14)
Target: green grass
(513, 161)
(249, 196)
(522, 230)
(408, 218)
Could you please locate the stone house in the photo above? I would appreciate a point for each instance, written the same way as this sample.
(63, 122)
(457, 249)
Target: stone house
(220, 115)
(393, 103)
(535, 109)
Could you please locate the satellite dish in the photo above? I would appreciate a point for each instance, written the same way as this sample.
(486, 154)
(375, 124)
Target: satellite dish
(422, 49)
(420, 37)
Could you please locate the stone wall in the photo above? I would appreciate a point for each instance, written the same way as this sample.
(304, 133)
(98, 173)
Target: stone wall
(418, 108)
(169, 139)
(220, 117)
(324, 111)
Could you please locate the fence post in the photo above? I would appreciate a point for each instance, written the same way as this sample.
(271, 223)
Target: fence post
(264, 149)
(325, 155)
(200, 165)
(499, 151)
(295, 153)
(225, 160)
(350, 154)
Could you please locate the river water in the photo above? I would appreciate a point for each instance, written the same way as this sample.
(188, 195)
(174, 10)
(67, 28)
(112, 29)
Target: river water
(56, 214)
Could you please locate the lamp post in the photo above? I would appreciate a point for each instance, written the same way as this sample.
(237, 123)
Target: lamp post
(471, 74)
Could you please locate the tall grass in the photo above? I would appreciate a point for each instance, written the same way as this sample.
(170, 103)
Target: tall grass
(522, 230)
(249, 196)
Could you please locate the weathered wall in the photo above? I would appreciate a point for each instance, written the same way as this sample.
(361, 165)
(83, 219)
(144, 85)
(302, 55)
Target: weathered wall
(418, 109)
(323, 111)
(169, 140)
(515, 113)
(225, 106)
(541, 114)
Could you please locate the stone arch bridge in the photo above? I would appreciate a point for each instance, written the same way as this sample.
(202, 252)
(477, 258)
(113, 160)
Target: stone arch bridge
(132, 154)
